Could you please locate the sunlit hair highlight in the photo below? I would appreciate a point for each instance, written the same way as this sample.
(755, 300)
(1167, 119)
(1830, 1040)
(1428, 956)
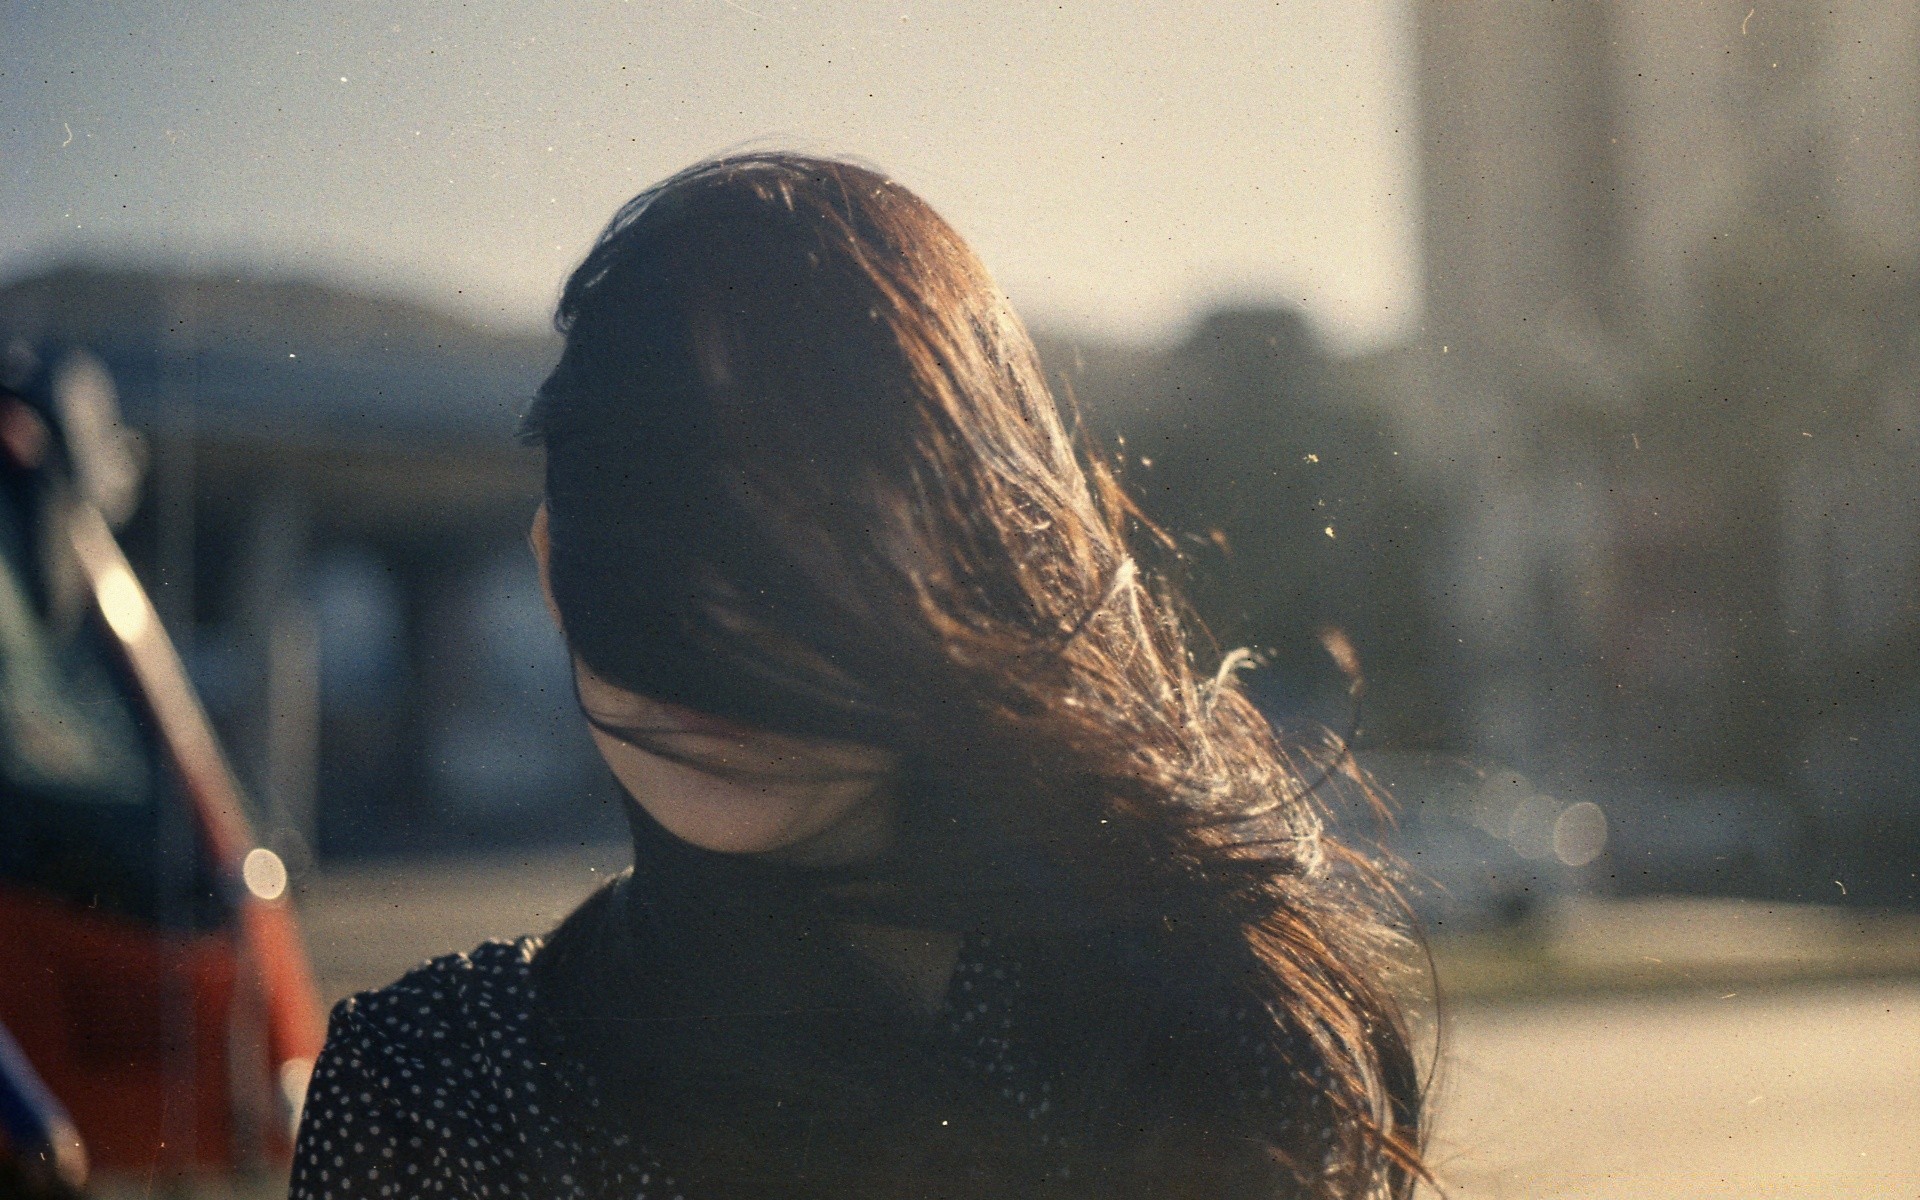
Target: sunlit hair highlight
(805, 473)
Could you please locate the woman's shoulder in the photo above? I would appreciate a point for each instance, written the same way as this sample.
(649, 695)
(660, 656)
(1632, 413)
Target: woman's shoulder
(422, 1079)
(456, 1017)
(465, 1016)
(454, 995)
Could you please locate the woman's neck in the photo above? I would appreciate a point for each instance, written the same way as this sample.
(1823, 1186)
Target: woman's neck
(920, 962)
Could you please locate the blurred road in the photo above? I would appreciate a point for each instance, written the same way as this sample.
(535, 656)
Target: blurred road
(1804, 1092)
(1789, 1091)
(368, 924)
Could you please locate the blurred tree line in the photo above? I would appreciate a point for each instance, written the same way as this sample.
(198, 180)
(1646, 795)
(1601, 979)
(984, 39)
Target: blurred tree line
(1291, 506)
(1744, 620)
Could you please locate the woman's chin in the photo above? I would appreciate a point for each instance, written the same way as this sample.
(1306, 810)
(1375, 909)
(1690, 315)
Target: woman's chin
(809, 831)
(750, 828)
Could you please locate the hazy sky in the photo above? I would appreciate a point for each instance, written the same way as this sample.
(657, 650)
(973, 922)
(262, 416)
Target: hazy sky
(1117, 164)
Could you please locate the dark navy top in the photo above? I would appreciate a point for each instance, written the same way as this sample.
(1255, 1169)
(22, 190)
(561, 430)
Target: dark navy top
(438, 1084)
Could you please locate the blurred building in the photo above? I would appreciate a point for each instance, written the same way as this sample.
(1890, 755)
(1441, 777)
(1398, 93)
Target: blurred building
(334, 531)
(1670, 381)
(1583, 162)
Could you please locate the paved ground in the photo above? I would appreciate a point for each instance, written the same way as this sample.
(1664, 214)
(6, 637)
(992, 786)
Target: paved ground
(1802, 1092)
(1721, 1090)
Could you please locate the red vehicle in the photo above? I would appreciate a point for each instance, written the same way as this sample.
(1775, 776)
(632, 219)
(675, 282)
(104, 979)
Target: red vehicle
(150, 966)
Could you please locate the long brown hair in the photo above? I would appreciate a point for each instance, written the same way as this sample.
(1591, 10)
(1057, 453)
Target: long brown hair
(804, 472)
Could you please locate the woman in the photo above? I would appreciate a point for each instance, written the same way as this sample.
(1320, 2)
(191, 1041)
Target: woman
(952, 876)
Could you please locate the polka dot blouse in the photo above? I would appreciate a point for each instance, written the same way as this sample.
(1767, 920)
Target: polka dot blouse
(439, 1085)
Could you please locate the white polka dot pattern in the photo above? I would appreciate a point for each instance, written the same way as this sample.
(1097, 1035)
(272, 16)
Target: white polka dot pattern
(436, 1086)
(433, 1086)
